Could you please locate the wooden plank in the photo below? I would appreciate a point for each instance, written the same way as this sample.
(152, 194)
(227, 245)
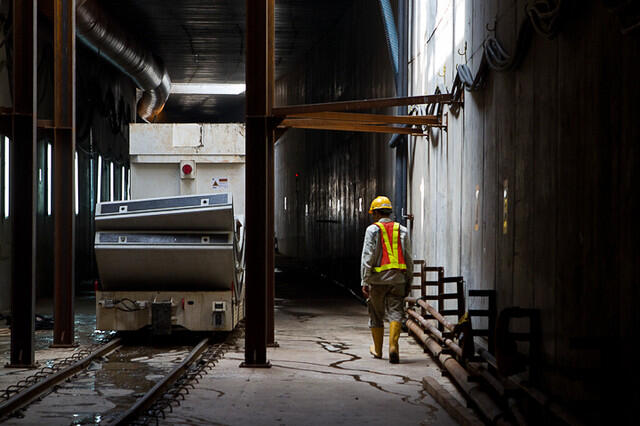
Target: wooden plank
(355, 105)
(545, 235)
(506, 147)
(372, 118)
(554, 297)
(491, 188)
(523, 184)
(472, 183)
(452, 406)
(304, 123)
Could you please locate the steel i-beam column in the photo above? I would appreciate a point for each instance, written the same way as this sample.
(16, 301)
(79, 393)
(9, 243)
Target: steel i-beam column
(271, 77)
(402, 149)
(23, 183)
(63, 166)
(257, 143)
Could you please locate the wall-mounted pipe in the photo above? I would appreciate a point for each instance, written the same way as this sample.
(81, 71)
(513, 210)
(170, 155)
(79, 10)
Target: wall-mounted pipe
(101, 33)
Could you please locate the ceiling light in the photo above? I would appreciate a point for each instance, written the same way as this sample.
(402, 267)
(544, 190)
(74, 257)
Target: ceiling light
(207, 88)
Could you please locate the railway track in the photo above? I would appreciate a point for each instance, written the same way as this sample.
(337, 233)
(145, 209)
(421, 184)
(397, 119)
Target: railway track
(147, 407)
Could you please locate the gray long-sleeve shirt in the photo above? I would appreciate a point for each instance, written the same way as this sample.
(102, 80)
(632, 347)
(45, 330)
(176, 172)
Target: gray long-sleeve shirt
(372, 256)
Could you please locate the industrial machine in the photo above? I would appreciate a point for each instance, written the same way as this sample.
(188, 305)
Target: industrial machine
(173, 255)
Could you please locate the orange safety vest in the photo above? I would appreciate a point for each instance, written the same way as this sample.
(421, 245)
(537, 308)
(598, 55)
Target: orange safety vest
(392, 257)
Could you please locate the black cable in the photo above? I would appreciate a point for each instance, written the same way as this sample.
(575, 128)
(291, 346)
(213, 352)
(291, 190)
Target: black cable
(545, 16)
(499, 59)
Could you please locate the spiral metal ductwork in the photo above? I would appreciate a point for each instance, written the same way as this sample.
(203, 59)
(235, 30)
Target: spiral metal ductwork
(102, 34)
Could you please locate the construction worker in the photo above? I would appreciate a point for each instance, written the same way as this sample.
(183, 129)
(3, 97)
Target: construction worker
(386, 271)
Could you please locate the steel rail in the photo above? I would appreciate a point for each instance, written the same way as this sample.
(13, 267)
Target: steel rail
(23, 398)
(158, 390)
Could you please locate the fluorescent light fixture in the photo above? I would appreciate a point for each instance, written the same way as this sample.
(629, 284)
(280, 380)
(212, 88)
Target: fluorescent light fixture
(207, 88)
(99, 178)
(76, 184)
(6, 177)
(122, 192)
(111, 181)
(49, 161)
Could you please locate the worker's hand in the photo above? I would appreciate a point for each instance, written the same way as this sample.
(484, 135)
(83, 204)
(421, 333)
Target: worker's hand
(365, 291)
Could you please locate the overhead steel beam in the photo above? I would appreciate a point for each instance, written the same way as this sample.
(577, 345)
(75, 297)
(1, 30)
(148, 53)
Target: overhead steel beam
(258, 140)
(282, 111)
(23, 182)
(319, 124)
(64, 52)
(418, 120)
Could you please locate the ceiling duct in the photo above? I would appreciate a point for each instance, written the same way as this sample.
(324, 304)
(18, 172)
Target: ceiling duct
(102, 34)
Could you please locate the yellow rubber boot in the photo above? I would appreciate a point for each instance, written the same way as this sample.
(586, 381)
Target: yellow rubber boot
(394, 336)
(378, 336)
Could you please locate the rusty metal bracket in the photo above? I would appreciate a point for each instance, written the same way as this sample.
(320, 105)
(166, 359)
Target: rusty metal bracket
(489, 313)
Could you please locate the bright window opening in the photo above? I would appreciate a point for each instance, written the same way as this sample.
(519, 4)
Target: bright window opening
(111, 181)
(6, 177)
(122, 192)
(75, 171)
(49, 192)
(99, 178)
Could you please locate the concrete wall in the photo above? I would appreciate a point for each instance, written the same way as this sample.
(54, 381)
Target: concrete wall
(338, 173)
(531, 190)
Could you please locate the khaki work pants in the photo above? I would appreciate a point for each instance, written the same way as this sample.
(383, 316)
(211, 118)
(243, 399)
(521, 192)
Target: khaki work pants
(387, 298)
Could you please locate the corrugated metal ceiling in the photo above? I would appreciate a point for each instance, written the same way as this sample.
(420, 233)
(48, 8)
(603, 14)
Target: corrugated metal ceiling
(204, 40)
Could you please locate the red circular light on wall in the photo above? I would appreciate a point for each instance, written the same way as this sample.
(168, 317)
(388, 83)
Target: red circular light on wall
(187, 169)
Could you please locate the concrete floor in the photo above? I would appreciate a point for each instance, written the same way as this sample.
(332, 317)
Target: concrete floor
(322, 373)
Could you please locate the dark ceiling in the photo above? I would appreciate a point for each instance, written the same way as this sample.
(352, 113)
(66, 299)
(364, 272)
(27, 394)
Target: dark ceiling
(203, 41)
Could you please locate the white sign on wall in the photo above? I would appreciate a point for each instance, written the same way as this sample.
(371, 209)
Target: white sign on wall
(220, 184)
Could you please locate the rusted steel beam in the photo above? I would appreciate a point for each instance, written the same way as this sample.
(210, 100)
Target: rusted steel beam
(64, 52)
(22, 183)
(282, 111)
(424, 120)
(257, 159)
(346, 126)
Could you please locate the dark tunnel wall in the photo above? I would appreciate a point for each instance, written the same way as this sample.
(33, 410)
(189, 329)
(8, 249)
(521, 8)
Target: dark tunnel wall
(105, 104)
(329, 178)
(532, 190)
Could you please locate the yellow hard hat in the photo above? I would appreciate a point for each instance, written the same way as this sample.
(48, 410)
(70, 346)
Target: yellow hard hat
(380, 202)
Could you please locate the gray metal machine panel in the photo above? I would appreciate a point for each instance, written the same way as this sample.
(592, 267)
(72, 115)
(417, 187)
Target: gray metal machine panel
(192, 212)
(180, 262)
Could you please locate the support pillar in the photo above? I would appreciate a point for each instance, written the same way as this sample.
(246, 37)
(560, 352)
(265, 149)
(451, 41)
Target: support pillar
(271, 77)
(63, 166)
(257, 155)
(402, 147)
(22, 190)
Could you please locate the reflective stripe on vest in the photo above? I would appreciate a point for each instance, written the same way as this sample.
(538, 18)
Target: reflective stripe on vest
(392, 257)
